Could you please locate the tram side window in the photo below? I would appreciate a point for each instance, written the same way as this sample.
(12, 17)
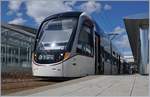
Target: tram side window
(85, 41)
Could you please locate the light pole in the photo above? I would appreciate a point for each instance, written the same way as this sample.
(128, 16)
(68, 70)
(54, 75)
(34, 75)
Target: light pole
(111, 58)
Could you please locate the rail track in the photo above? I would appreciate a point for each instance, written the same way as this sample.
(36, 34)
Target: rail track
(19, 81)
(16, 85)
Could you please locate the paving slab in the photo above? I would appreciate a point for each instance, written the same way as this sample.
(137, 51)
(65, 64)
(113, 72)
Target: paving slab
(141, 87)
(122, 88)
(96, 85)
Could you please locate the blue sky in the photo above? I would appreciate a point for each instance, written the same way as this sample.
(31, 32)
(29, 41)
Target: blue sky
(108, 14)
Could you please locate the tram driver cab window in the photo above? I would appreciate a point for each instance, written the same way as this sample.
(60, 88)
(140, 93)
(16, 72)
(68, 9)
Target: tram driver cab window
(85, 41)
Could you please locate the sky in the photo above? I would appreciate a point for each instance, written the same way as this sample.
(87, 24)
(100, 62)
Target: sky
(108, 14)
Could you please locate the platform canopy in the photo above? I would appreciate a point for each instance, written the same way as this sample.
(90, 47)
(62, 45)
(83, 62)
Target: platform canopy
(133, 24)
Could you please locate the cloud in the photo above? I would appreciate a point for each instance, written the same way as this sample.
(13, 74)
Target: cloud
(127, 53)
(39, 10)
(70, 4)
(107, 7)
(9, 13)
(19, 14)
(14, 5)
(17, 21)
(121, 41)
(118, 30)
(90, 7)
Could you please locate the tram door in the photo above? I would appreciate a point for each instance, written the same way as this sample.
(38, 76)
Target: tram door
(97, 53)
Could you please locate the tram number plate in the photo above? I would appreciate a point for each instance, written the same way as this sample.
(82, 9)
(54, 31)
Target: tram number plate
(46, 57)
(51, 57)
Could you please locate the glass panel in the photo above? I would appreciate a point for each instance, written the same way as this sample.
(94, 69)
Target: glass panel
(144, 50)
(55, 34)
(85, 42)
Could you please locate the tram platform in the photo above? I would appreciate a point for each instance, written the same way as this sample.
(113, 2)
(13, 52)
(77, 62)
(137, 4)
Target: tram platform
(96, 85)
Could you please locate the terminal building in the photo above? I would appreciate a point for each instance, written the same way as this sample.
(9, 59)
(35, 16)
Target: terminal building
(16, 46)
(137, 27)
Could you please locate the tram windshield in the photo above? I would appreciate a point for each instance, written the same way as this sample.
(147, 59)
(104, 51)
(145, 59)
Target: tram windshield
(52, 40)
(55, 33)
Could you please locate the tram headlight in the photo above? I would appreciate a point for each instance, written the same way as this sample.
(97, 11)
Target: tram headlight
(66, 55)
(34, 56)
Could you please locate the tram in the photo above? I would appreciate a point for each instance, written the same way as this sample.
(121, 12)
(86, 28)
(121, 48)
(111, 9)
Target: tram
(71, 44)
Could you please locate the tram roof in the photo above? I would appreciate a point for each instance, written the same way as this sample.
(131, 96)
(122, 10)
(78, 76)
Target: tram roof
(69, 13)
(76, 14)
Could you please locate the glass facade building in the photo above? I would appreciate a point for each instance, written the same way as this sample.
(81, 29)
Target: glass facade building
(16, 47)
(144, 42)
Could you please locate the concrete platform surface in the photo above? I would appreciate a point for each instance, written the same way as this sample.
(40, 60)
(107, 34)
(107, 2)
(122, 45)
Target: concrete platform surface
(96, 85)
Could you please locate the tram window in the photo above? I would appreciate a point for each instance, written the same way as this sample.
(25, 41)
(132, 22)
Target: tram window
(9, 50)
(16, 51)
(85, 42)
(113, 53)
(16, 60)
(3, 50)
(9, 60)
(3, 59)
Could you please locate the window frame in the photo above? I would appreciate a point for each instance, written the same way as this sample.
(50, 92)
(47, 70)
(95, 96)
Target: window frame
(83, 51)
